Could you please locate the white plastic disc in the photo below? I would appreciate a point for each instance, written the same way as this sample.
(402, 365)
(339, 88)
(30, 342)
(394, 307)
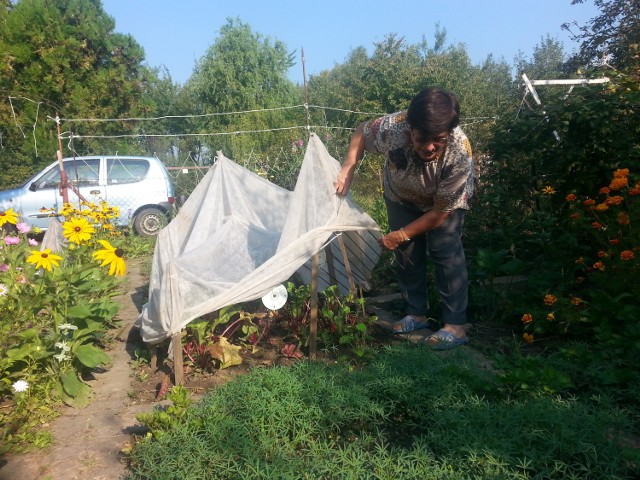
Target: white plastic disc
(276, 298)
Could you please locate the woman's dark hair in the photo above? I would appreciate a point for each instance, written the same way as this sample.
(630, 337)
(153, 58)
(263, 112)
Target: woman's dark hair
(433, 111)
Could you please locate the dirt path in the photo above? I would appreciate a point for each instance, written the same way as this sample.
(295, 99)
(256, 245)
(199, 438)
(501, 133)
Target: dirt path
(88, 442)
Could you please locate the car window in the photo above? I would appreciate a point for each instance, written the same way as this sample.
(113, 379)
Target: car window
(79, 172)
(126, 170)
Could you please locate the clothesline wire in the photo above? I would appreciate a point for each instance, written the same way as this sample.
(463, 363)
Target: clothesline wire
(219, 114)
(69, 135)
(215, 114)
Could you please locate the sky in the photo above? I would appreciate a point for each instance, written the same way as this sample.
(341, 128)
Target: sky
(176, 33)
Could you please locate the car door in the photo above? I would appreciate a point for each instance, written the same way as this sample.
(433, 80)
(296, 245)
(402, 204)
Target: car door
(44, 199)
(126, 185)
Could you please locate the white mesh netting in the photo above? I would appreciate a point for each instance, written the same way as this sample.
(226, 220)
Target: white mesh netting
(238, 235)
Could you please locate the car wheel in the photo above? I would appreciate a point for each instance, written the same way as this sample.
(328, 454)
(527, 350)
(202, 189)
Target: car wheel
(149, 222)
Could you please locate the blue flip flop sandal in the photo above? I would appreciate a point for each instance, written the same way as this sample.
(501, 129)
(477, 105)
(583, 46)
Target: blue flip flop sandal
(409, 324)
(444, 340)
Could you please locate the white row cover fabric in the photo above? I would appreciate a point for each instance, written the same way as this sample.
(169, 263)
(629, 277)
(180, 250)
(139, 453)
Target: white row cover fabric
(239, 235)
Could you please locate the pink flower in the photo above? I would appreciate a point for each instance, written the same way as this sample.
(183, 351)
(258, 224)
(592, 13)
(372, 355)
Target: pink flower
(11, 240)
(33, 243)
(4, 267)
(23, 227)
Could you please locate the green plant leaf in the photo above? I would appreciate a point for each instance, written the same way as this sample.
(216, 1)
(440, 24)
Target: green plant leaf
(79, 312)
(82, 394)
(91, 356)
(71, 383)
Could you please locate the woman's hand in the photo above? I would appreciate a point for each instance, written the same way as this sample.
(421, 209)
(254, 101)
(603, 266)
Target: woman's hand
(393, 240)
(343, 182)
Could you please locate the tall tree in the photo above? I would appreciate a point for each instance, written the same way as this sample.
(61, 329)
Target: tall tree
(388, 79)
(242, 71)
(62, 57)
(613, 36)
(548, 60)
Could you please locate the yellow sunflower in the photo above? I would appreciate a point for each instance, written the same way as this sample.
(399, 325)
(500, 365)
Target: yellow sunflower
(8, 216)
(44, 259)
(77, 230)
(112, 256)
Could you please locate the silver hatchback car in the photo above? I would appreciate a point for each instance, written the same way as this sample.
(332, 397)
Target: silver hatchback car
(140, 187)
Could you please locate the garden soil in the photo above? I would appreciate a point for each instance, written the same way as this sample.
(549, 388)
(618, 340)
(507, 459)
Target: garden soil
(92, 443)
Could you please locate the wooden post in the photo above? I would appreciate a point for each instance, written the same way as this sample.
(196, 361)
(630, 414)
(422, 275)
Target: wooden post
(347, 265)
(153, 357)
(306, 93)
(313, 320)
(178, 363)
(331, 268)
(64, 181)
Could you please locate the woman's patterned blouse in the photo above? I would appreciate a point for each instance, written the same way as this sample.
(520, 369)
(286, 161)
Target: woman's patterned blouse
(445, 184)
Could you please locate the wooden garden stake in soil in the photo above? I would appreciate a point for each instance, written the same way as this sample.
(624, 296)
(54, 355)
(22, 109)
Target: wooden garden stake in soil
(313, 321)
(347, 265)
(178, 363)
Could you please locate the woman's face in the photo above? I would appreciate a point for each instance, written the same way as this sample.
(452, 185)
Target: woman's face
(429, 149)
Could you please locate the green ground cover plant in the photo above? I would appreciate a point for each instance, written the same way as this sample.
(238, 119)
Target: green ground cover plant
(410, 413)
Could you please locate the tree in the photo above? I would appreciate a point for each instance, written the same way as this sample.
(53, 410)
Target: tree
(613, 37)
(63, 58)
(242, 71)
(387, 80)
(548, 60)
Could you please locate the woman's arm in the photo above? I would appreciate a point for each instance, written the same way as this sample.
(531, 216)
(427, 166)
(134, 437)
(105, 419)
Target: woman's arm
(429, 221)
(354, 154)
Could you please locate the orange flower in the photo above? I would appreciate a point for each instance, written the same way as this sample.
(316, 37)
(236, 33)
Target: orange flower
(527, 337)
(576, 301)
(571, 198)
(599, 266)
(548, 190)
(621, 173)
(614, 200)
(575, 216)
(623, 218)
(580, 261)
(601, 207)
(549, 299)
(635, 190)
(551, 317)
(604, 190)
(589, 202)
(614, 241)
(602, 254)
(618, 183)
(626, 255)
(527, 318)
(596, 225)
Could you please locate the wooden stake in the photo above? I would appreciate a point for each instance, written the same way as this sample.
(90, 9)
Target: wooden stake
(306, 93)
(313, 321)
(347, 265)
(64, 181)
(153, 357)
(178, 363)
